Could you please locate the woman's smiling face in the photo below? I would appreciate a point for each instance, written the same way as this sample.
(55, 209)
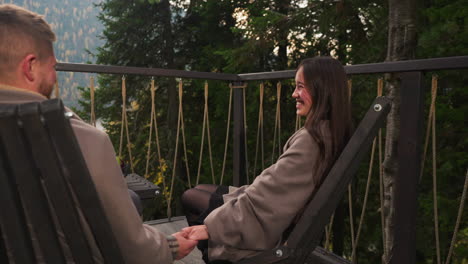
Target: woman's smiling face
(302, 95)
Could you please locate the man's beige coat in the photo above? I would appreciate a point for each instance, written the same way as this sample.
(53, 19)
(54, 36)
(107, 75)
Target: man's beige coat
(139, 243)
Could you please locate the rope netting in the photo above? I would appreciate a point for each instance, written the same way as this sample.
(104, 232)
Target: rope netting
(277, 130)
(276, 151)
(205, 126)
(180, 128)
(260, 138)
(431, 134)
(154, 121)
(369, 174)
(124, 126)
(228, 125)
(91, 94)
(245, 133)
(350, 189)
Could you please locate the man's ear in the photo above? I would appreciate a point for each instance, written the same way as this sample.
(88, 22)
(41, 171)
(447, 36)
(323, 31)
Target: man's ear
(28, 65)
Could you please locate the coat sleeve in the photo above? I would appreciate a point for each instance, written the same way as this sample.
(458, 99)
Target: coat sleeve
(139, 243)
(256, 219)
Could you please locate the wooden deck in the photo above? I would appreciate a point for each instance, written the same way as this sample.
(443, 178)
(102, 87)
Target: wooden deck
(169, 227)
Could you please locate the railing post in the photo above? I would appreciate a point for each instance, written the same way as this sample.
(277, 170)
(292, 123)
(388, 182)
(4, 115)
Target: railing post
(409, 158)
(238, 135)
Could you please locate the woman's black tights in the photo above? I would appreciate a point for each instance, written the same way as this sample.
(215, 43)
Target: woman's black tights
(196, 201)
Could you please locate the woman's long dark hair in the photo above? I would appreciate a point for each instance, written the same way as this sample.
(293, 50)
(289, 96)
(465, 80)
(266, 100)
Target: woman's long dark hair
(326, 82)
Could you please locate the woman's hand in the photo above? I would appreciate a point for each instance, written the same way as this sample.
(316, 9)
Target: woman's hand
(198, 232)
(185, 245)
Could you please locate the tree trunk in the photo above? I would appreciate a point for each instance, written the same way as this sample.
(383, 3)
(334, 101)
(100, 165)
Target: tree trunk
(172, 91)
(401, 46)
(283, 7)
(342, 36)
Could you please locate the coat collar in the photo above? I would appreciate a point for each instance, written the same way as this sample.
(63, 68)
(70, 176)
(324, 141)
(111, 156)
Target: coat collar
(15, 95)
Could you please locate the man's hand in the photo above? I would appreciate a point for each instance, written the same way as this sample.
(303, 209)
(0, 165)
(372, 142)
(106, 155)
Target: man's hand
(185, 245)
(198, 232)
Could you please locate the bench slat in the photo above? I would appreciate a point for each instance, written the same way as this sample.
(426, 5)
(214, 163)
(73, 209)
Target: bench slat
(54, 182)
(29, 187)
(14, 225)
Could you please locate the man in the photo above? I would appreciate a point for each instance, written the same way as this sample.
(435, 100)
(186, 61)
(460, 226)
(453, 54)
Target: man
(27, 74)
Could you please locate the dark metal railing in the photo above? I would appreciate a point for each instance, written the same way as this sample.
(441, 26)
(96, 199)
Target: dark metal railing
(123, 70)
(447, 63)
(411, 109)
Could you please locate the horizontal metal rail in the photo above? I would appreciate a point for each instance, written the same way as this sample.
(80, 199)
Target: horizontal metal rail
(446, 63)
(435, 64)
(94, 68)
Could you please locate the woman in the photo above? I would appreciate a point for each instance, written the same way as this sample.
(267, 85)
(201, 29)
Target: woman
(239, 222)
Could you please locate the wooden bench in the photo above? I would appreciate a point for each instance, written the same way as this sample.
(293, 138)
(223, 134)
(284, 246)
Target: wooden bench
(42, 177)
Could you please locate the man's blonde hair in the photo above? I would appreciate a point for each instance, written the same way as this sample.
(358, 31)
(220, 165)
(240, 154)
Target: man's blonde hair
(22, 32)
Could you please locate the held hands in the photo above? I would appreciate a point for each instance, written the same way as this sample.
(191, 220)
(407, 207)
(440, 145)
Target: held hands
(188, 238)
(198, 232)
(185, 245)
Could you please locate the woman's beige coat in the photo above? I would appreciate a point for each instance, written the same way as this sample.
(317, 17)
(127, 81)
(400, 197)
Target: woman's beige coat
(254, 217)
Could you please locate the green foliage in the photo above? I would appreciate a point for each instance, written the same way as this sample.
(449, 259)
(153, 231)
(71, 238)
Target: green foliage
(451, 163)
(444, 30)
(439, 20)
